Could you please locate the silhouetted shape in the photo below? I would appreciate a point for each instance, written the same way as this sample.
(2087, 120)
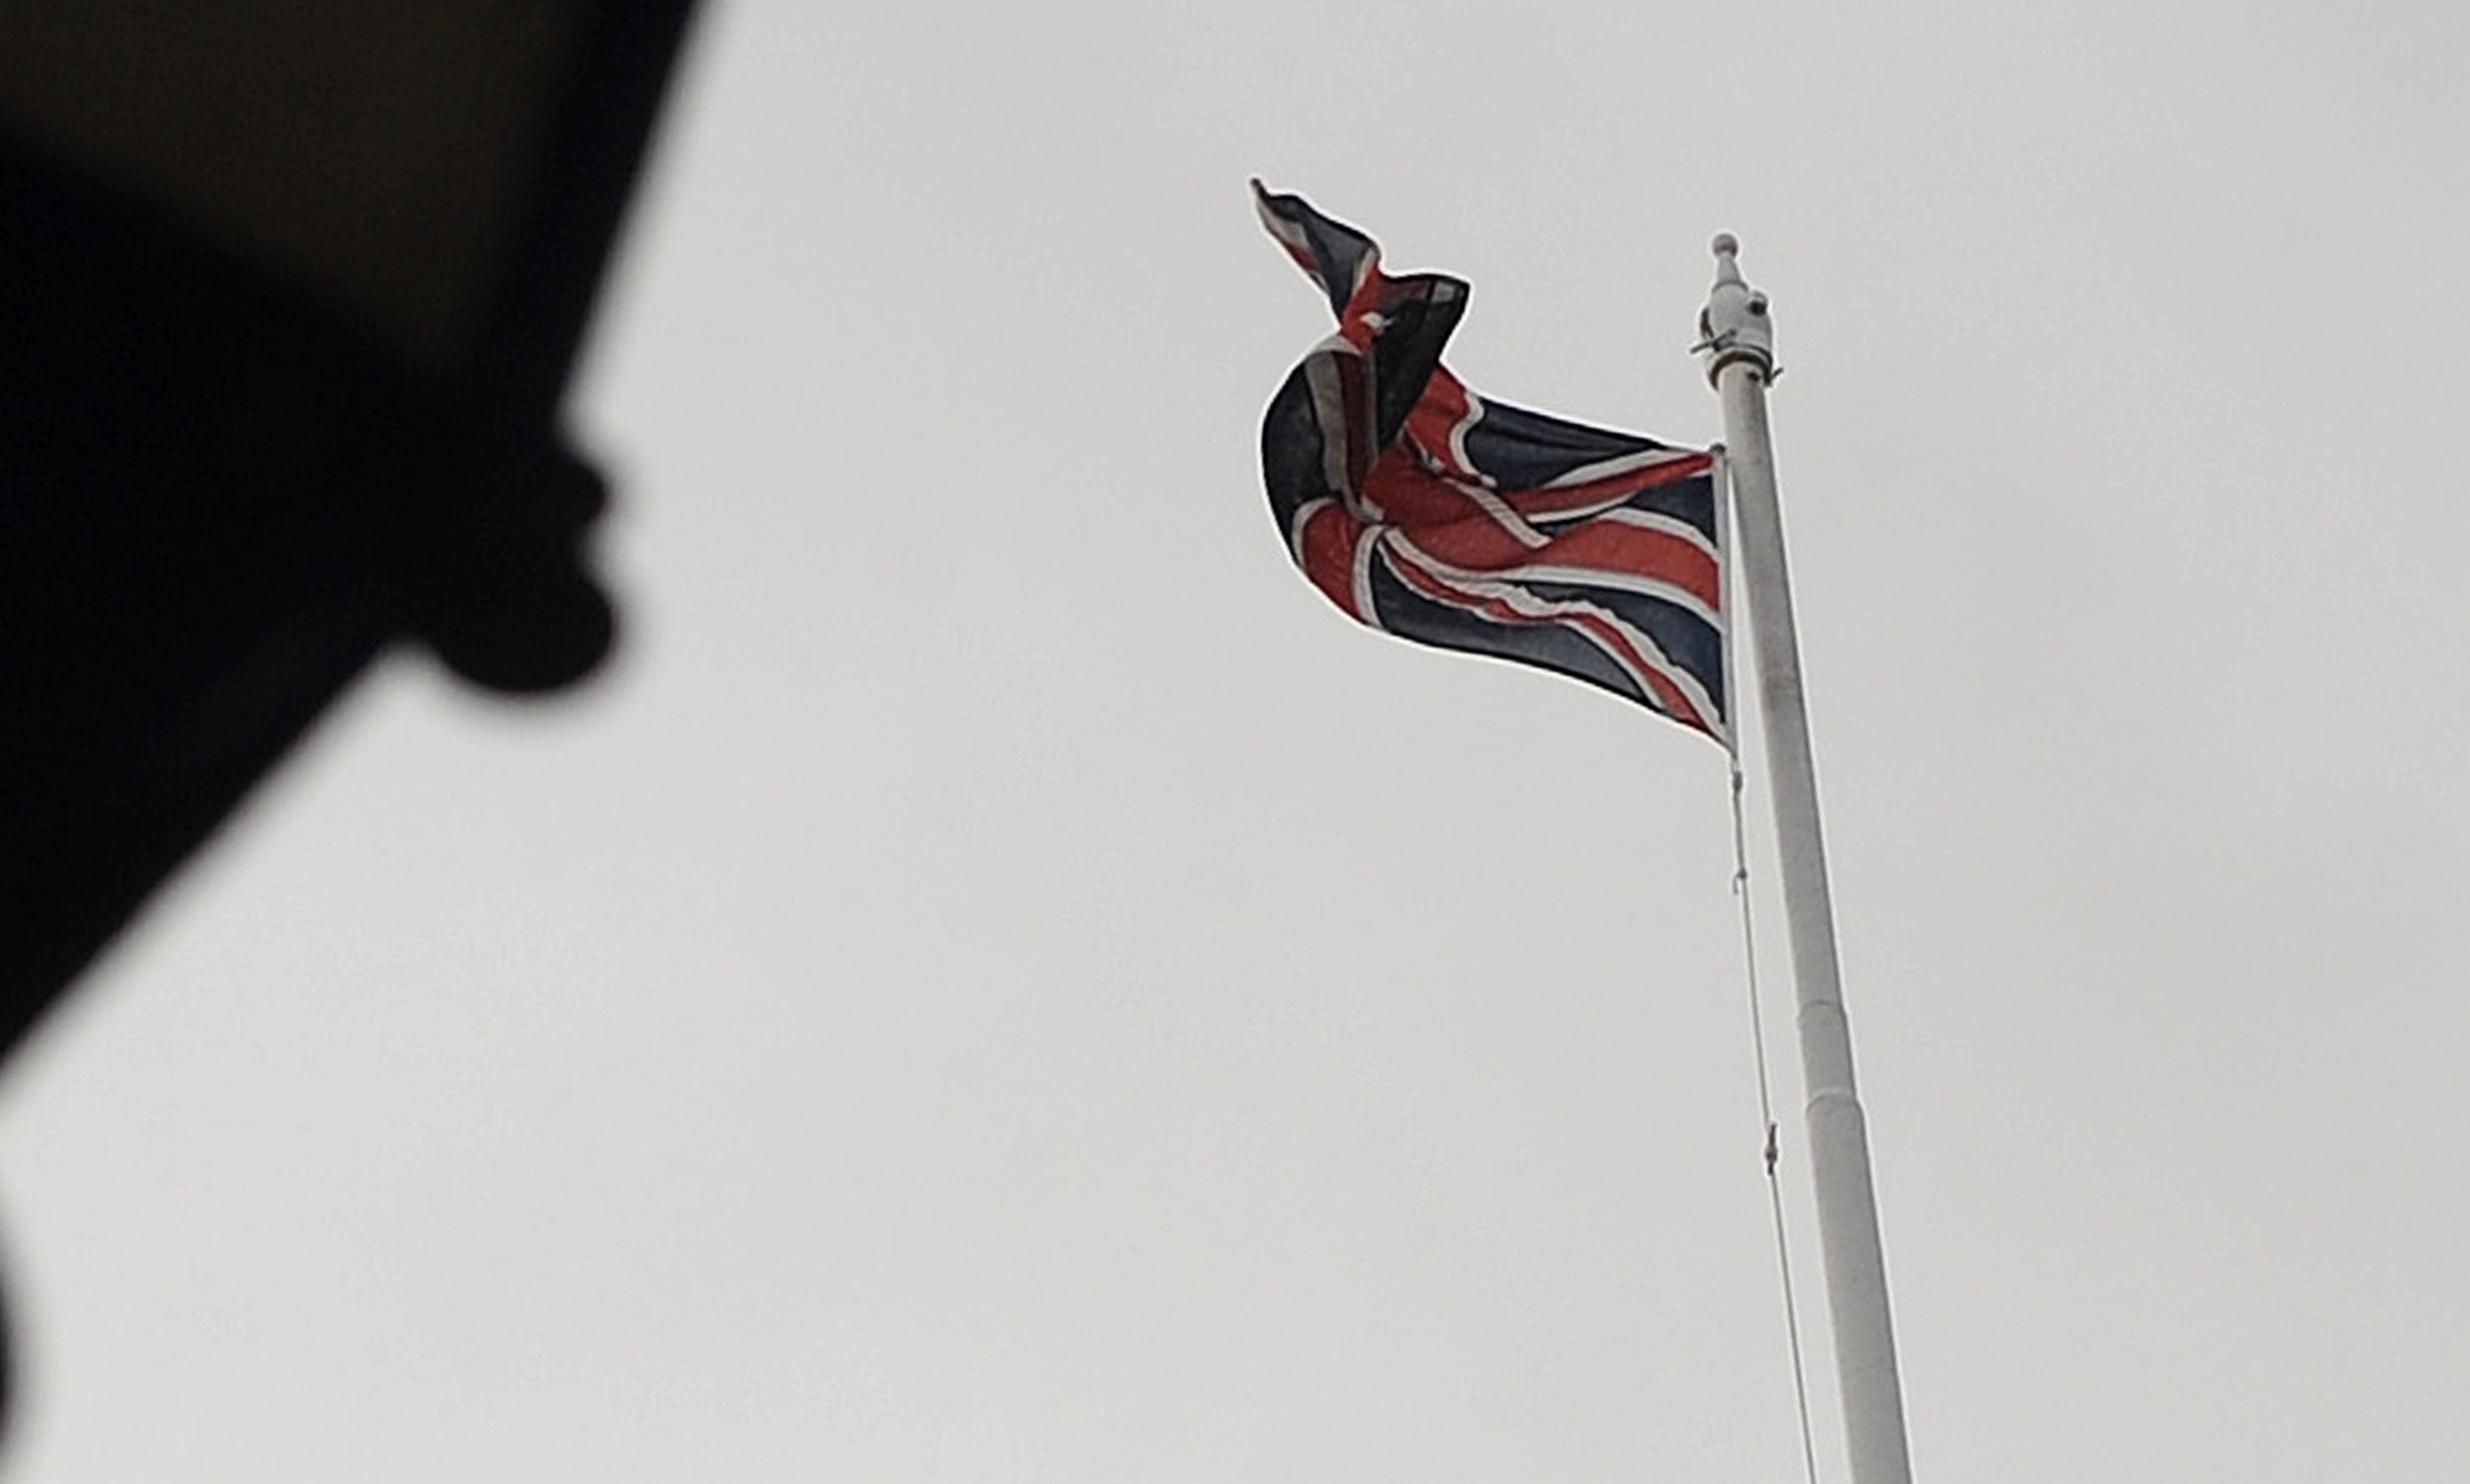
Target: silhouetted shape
(290, 290)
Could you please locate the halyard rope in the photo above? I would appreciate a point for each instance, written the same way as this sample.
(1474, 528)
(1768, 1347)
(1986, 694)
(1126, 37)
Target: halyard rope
(1750, 966)
(1767, 1121)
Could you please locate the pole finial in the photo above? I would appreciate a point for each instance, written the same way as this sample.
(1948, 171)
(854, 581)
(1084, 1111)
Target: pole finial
(1734, 326)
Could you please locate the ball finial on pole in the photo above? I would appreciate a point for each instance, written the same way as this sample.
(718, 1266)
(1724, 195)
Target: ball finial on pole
(1734, 327)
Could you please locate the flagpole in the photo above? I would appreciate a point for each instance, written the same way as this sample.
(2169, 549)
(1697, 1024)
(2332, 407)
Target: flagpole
(1740, 345)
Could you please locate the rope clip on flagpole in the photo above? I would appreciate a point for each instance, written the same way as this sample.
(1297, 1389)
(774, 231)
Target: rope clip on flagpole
(1737, 336)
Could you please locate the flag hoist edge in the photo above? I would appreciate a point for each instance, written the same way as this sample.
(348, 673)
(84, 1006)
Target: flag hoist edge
(1439, 516)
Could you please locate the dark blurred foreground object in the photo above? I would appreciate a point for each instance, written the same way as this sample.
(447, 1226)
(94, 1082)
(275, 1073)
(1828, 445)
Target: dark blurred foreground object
(288, 294)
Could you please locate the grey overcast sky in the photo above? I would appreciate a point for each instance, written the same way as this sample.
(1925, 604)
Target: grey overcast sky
(1000, 983)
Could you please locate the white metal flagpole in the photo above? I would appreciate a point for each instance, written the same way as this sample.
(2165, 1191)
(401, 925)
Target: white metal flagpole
(1740, 342)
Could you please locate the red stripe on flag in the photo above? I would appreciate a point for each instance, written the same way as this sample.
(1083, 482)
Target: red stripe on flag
(1477, 543)
(1647, 671)
(1416, 497)
(1611, 488)
(1437, 414)
(1444, 519)
(1610, 546)
(1325, 550)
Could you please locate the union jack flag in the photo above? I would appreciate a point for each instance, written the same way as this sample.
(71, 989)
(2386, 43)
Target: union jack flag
(1439, 516)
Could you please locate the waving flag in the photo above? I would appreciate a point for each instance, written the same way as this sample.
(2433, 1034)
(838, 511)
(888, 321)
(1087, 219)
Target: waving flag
(1435, 514)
